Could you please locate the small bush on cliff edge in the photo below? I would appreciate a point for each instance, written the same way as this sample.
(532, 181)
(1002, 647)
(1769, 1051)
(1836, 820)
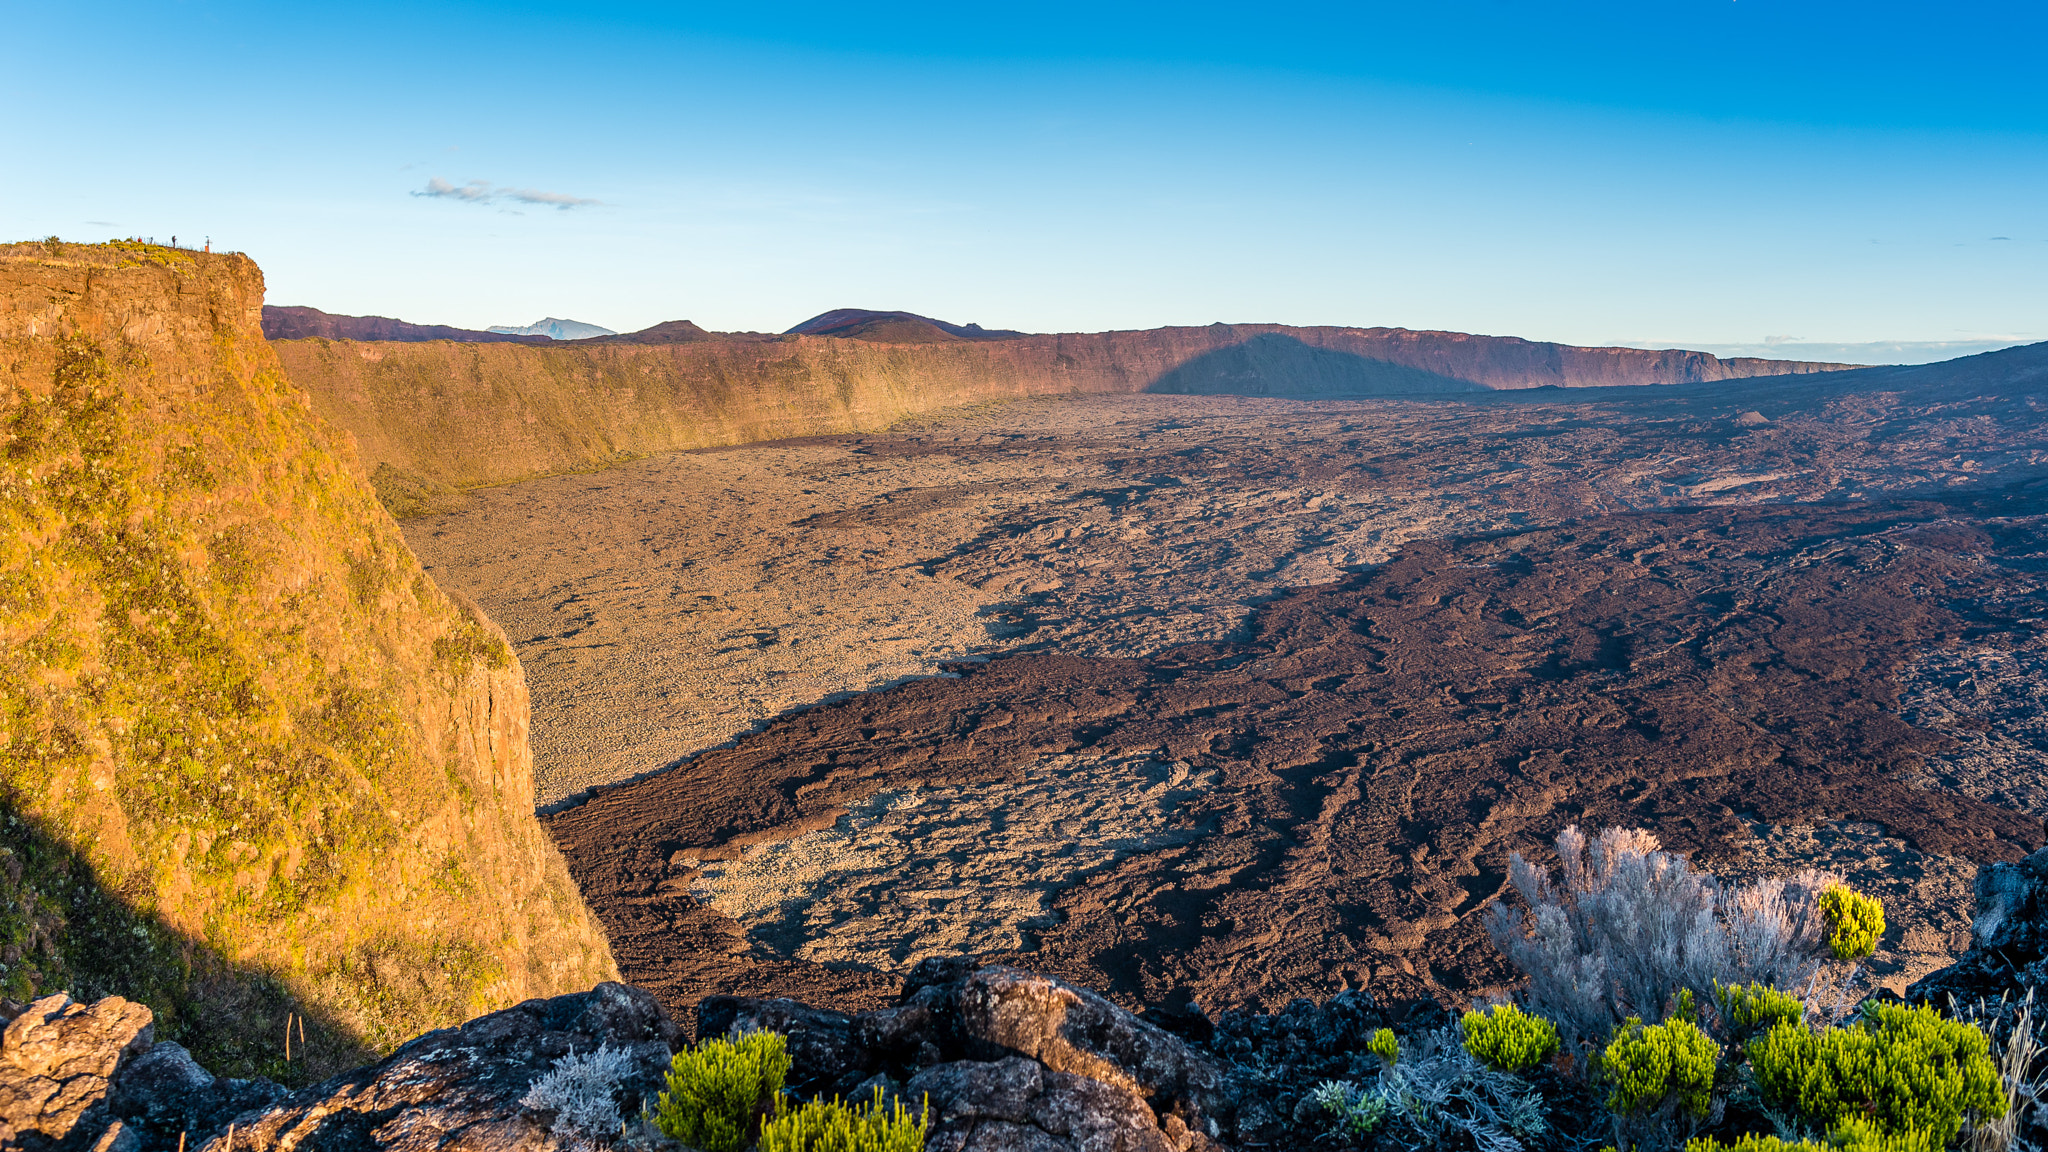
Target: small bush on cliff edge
(581, 1090)
(1508, 1038)
(1855, 922)
(833, 1126)
(1662, 1081)
(1909, 1071)
(719, 1091)
(1386, 1046)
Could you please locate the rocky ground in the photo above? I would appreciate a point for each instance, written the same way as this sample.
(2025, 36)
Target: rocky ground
(1518, 612)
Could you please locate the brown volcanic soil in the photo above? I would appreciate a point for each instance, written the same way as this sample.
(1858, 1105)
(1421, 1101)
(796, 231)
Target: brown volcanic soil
(1287, 794)
(1381, 745)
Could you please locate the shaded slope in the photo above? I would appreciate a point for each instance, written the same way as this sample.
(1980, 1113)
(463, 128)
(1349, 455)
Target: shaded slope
(236, 718)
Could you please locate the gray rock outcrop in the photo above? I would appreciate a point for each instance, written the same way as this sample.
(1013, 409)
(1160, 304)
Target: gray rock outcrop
(462, 1088)
(75, 1078)
(2008, 952)
(998, 1058)
(1009, 1059)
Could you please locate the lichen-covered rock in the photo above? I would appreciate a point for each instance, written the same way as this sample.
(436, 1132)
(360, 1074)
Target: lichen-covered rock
(2008, 940)
(1020, 1105)
(961, 1026)
(164, 1092)
(461, 1088)
(57, 1059)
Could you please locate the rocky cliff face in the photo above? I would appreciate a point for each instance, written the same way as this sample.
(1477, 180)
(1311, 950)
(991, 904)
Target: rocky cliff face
(256, 769)
(465, 414)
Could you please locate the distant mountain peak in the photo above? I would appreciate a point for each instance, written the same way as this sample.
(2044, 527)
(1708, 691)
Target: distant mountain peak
(555, 329)
(863, 322)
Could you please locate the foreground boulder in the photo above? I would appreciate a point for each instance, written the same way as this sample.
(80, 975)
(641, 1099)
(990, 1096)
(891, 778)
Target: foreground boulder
(75, 1078)
(1009, 1059)
(461, 1088)
(1004, 1059)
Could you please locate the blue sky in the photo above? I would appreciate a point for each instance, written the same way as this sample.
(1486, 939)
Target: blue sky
(1707, 173)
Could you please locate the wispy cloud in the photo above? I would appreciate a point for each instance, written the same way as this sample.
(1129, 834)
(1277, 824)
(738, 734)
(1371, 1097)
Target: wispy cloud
(485, 192)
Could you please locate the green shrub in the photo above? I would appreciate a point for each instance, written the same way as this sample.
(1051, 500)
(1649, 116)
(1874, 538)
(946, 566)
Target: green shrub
(718, 1090)
(1385, 1046)
(1352, 1114)
(1859, 1135)
(831, 1126)
(1855, 921)
(1669, 1064)
(1849, 1136)
(1749, 1009)
(1908, 1071)
(1508, 1038)
(1752, 1142)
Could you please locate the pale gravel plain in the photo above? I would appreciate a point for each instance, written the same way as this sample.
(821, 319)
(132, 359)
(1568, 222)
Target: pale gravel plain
(669, 605)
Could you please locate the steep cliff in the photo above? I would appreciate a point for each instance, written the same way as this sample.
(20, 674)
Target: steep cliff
(465, 414)
(253, 763)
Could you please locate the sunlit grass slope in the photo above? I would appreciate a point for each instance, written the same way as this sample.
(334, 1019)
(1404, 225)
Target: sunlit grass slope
(252, 761)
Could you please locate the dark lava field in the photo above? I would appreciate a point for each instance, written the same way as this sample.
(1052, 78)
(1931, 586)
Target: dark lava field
(1284, 683)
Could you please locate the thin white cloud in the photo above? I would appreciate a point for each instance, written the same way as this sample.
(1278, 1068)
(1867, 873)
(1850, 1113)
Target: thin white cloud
(485, 192)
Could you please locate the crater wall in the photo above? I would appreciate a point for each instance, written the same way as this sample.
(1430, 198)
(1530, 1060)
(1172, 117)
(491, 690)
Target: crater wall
(464, 415)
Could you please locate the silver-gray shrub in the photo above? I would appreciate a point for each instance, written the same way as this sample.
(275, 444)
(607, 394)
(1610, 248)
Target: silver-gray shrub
(581, 1092)
(1631, 925)
(1436, 1096)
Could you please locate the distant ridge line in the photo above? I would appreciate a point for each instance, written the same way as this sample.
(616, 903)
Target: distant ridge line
(297, 322)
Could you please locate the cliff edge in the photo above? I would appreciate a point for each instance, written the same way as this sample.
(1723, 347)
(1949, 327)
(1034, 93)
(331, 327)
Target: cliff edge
(256, 770)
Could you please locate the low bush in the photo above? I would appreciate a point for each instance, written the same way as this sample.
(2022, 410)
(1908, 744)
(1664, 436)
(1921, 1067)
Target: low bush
(1664, 1065)
(581, 1091)
(833, 1126)
(1441, 1096)
(1750, 1009)
(1631, 927)
(1508, 1038)
(1909, 1072)
(1855, 921)
(719, 1090)
(1660, 1082)
(1850, 1136)
(1351, 1114)
(1435, 1096)
(1385, 1046)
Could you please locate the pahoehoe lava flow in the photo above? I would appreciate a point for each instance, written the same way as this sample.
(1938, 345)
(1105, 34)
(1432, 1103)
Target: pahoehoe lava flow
(1380, 744)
